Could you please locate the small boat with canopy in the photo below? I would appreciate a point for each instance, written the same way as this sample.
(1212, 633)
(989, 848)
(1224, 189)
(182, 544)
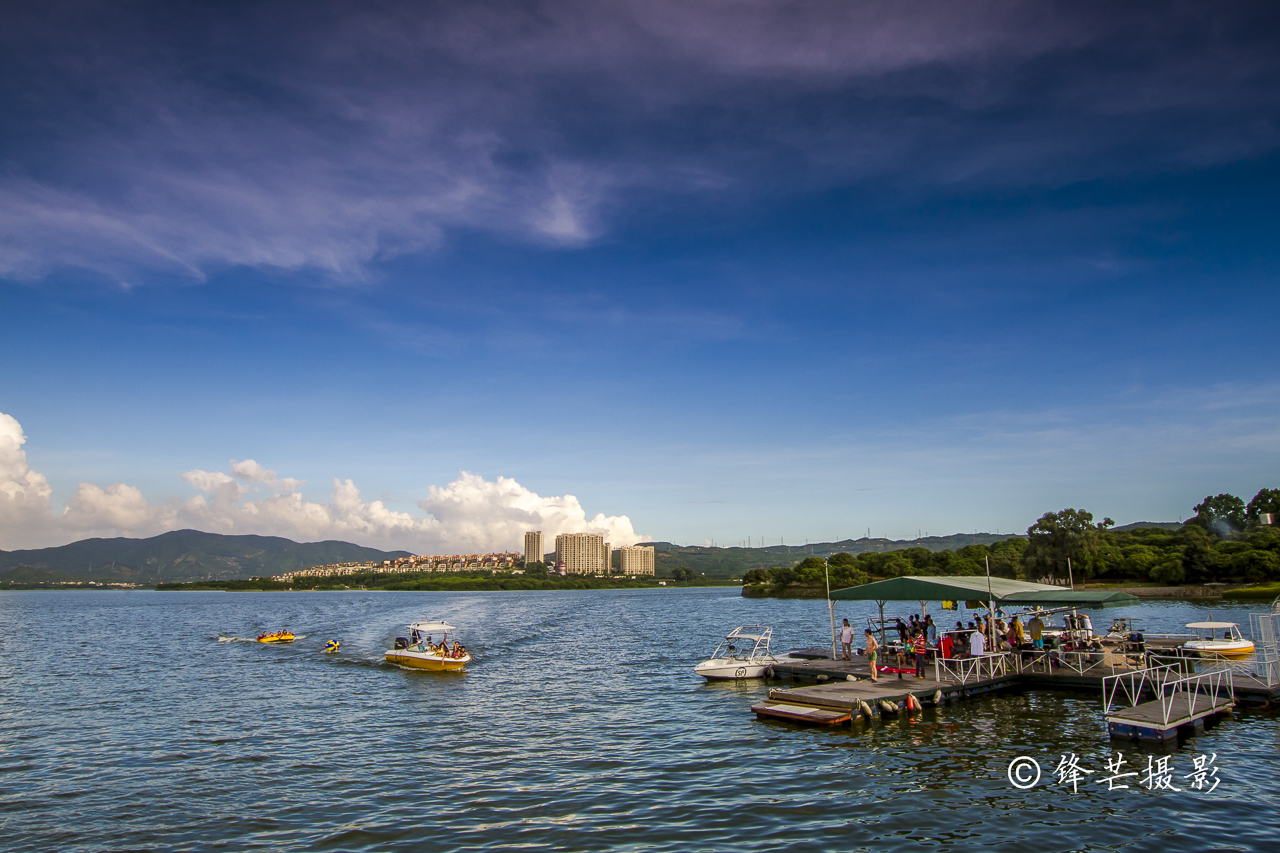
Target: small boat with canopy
(743, 653)
(428, 647)
(1218, 639)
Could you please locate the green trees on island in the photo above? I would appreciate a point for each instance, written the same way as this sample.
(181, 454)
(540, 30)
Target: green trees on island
(1222, 542)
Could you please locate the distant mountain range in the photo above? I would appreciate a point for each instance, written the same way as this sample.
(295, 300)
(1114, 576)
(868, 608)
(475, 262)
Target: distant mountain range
(182, 555)
(190, 555)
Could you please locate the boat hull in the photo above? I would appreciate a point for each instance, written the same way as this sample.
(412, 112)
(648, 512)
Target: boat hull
(1220, 648)
(426, 661)
(731, 670)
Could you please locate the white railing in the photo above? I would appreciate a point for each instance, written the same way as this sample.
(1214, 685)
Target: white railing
(1081, 662)
(980, 668)
(1176, 693)
(1265, 628)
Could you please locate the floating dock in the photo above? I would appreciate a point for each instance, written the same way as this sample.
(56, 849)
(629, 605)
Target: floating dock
(1140, 701)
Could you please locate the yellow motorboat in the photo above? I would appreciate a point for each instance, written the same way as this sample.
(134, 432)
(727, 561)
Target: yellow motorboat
(1231, 645)
(420, 650)
(276, 637)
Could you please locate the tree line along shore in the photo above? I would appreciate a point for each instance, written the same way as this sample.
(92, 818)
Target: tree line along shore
(472, 581)
(1225, 542)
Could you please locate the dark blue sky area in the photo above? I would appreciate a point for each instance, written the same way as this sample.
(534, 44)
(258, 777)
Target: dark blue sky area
(769, 270)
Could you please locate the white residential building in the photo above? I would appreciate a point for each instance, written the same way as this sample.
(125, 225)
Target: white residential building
(582, 553)
(637, 559)
(533, 547)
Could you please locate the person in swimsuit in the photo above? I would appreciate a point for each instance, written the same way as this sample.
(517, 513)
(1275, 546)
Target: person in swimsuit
(872, 647)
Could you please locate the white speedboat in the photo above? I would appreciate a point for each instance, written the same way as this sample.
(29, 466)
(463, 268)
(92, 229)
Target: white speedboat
(1219, 639)
(420, 650)
(743, 653)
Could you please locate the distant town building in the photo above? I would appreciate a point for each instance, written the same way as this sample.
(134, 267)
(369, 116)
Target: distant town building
(637, 559)
(409, 565)
(582, 553)
(533, 552)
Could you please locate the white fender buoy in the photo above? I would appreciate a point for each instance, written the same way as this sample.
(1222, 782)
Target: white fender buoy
(822, 678)
(888, 707)
(865, 708)
(937, 697)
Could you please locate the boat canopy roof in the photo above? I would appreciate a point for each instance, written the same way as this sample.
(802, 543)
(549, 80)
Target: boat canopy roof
(749, 632)
(972, 588)
(1208, 626)
(428, 627)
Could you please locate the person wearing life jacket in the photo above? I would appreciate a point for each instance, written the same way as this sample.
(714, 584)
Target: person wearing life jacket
(921, 647)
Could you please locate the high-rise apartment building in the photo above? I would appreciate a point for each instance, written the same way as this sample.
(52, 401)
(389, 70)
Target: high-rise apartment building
(533, 547)
(582, 553)
(637, 559)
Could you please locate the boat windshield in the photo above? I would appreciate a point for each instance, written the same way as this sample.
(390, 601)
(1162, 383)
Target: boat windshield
(745, 642)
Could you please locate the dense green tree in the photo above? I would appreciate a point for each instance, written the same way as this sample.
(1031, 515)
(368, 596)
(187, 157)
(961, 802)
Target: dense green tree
(1199, 561)
(842, 559)
(1136, 561)
(1267, 500)
(1266, 539)
(1220, 514)
(682, 573)
(1006, 557)
(1254, 565)
(1168, 571)
(1061, 536)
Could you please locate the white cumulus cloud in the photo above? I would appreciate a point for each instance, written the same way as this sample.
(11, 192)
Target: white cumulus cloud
(470, 514)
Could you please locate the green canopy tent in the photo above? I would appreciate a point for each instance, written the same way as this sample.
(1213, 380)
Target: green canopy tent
(970, 588)
(1085, 599)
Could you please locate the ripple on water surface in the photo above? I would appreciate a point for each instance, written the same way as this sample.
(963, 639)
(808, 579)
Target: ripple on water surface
(581, 727)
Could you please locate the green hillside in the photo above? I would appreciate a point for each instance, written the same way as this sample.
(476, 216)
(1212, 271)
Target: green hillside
(182, 555)
(734, 562)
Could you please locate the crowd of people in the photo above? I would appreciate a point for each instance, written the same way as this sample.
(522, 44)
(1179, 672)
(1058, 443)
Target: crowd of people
(920, 639)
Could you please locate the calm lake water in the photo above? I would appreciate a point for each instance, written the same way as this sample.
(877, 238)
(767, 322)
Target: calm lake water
(126, 724)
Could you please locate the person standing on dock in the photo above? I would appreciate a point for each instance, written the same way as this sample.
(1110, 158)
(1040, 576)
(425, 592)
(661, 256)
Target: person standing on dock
(846, 640)
(930, 630)
(872, 648)
(1036, 627)
(921, 647)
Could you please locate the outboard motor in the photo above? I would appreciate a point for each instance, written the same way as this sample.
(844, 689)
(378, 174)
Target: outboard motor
(402, 642)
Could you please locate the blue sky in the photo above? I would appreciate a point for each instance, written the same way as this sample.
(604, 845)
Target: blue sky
(725, 270)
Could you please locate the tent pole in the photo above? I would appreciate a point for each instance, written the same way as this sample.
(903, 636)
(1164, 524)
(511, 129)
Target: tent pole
(831, 611)
(991, 610)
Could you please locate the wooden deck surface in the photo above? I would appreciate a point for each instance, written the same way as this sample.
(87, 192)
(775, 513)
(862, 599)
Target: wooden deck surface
(1185, 709)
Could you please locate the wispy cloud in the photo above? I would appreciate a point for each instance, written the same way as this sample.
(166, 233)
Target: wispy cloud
(259, 136)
